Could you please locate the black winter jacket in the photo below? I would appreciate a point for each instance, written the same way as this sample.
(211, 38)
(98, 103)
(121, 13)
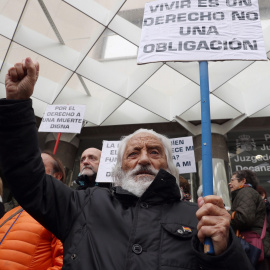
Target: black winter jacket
(250, 210)
(103, 229)
(250, 214)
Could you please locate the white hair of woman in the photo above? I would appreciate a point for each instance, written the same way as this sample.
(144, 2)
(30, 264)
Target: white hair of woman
(172, 169)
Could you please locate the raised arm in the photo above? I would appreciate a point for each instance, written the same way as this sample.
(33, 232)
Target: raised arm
(49, 201)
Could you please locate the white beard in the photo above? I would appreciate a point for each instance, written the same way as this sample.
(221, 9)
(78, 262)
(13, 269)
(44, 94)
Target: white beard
(137, 187)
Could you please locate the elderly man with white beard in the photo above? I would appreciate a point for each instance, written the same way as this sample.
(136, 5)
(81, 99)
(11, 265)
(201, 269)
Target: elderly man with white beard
(140, 224)
(140, 156)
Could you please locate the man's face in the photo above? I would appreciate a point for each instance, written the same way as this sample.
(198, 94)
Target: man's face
(48, 163)
(144, 150)
(90, 161)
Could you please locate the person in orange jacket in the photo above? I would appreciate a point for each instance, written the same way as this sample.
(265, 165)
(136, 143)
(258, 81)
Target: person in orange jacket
(26, 244)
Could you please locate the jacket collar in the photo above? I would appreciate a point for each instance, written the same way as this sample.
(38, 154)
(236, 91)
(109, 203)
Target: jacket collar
(235, 192)
(162, 189)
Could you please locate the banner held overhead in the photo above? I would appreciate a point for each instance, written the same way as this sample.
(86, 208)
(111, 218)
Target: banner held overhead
(201, 31)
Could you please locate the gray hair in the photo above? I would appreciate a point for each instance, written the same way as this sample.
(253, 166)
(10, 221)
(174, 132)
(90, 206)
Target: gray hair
(167, 148)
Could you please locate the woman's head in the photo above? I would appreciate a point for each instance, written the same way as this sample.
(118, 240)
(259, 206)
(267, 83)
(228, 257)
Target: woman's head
(240, 178)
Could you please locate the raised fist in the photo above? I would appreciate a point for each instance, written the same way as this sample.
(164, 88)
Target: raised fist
(21, 79)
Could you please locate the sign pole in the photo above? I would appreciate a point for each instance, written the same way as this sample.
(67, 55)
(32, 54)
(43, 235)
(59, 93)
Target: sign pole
(207, 168)
(56, 143)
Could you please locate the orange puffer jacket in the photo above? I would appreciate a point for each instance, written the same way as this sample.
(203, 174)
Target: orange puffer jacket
(28, 245)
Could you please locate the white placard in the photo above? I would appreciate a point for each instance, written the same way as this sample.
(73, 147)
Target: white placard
(182, 150)
(183, 154)
(107, 161)
(62, 118)
(201, 30)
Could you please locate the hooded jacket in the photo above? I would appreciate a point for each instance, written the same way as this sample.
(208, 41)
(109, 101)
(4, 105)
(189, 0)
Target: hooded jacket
(103, 229)
(28, 245)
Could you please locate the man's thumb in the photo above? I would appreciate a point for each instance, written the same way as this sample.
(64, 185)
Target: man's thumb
(31, 69)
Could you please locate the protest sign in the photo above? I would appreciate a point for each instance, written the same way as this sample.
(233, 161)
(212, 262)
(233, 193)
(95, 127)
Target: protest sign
(182, 151)
(201, 30)
(107, 161)
(183, 154)
(62, 118)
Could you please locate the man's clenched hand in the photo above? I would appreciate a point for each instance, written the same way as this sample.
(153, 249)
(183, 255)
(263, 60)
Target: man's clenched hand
(214, 222)
(21, 79)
